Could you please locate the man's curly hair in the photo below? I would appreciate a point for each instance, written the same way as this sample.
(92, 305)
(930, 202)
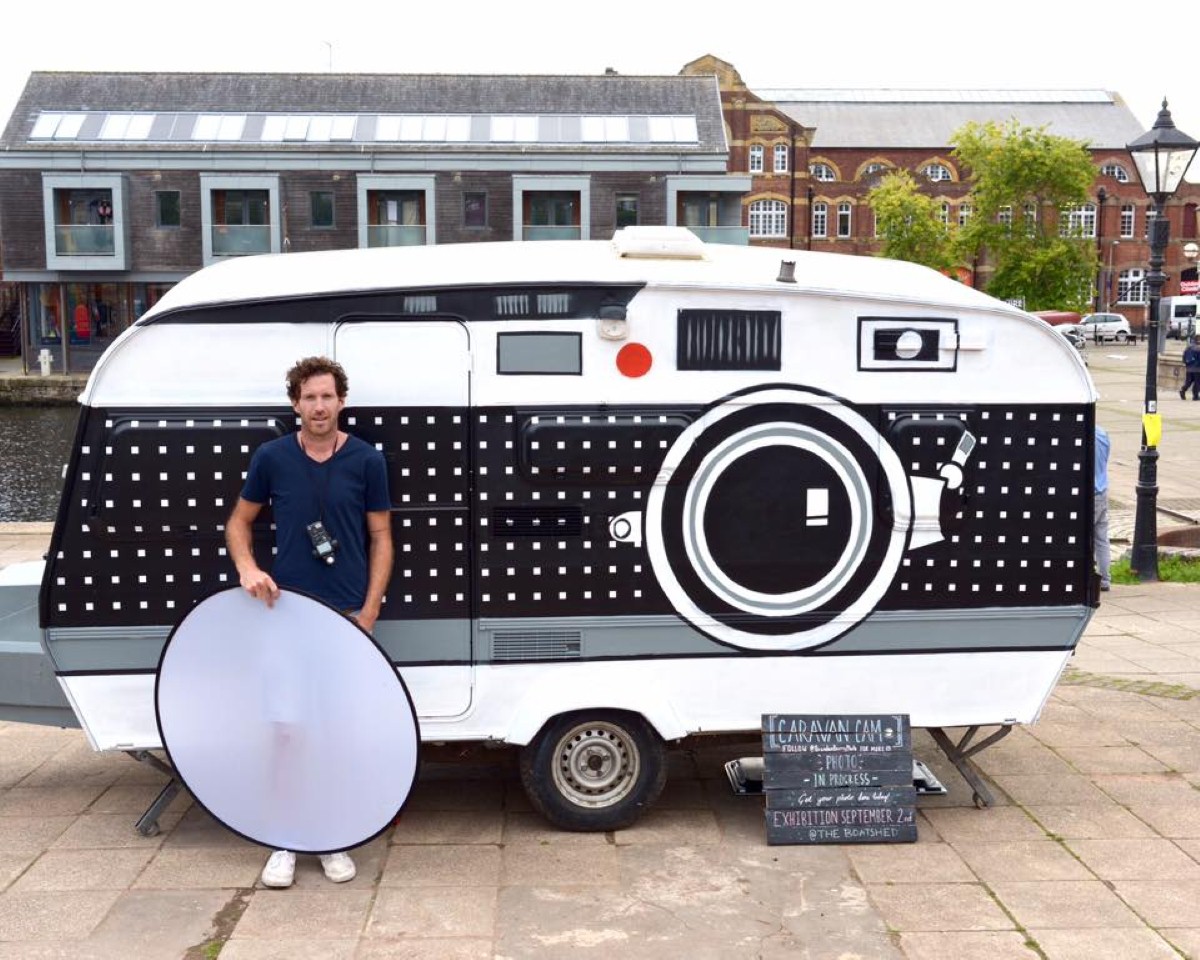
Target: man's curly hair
(315, 367)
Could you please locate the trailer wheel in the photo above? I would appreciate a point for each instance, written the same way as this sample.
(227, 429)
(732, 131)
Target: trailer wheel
(1121, 336)
(593, 771)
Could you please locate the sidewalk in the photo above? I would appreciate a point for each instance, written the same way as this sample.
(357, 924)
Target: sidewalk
(1092, 850)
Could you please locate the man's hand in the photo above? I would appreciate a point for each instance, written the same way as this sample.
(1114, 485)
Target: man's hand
(366, 621)
(260, 586)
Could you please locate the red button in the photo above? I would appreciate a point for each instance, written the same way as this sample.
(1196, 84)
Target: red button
(634, 360)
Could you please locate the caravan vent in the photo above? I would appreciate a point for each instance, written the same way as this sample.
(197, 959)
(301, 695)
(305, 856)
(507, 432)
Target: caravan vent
(537, 522)
(537, 645)
(728, 340)
(658, 243)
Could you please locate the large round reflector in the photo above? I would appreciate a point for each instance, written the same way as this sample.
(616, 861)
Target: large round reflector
(288, 723)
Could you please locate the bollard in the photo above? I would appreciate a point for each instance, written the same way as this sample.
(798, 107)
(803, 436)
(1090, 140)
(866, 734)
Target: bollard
(45, 359)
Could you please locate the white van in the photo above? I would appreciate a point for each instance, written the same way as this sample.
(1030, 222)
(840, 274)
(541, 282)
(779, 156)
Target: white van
(642, 490)
(1177, 316)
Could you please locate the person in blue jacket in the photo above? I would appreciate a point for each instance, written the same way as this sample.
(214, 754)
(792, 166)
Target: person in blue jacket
(1191, 364)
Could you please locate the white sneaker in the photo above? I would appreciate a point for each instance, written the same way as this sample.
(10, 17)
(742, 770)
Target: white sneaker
(338, 867)
(280, 870)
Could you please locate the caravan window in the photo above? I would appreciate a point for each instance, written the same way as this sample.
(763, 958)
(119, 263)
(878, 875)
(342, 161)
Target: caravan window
(544, 353)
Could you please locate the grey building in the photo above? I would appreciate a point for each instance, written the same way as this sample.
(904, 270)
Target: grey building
(113, 186)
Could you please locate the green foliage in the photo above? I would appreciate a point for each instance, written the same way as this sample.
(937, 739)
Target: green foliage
(1024, 182)
(1172, 568)
(909, 224)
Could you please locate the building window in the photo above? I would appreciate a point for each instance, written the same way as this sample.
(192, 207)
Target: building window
(475, 210)
(627, 210)
(1004, 216)
(1078, 220)
(1131, 286)
(166, 208)
(844, 220)
(321, 206)
(871, 169)
(964, 214)
(1128, 219)
(395, 218)
(241, 222)
(551, 215)
(1116, 171)
(781, 158)
(1030, 211)
(768, 218)
(756, 158)
(937, 172)
(820, 219)
(944, 213)
(823, 172)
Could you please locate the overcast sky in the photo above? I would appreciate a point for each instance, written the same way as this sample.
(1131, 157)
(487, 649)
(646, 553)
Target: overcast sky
(1011, 44)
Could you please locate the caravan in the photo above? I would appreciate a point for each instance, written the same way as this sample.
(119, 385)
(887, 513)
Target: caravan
(641, 490)
(1177, 317)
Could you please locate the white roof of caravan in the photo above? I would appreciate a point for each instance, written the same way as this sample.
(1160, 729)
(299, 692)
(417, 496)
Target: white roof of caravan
(278, 276)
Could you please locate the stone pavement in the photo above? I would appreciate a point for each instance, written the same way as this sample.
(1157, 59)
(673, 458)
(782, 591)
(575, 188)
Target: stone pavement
(1092, 850)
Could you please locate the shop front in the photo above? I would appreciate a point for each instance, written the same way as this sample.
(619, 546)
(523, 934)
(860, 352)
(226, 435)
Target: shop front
(77, 321)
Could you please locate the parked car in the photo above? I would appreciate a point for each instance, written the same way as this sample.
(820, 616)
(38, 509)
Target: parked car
(1101, 326)
(1075, 339)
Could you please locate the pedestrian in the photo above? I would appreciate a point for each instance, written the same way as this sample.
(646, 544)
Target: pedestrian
(1191, 363)
(1100, 545)
(329, 496)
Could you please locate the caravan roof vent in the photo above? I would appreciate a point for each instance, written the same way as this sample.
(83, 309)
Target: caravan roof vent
(670, 243)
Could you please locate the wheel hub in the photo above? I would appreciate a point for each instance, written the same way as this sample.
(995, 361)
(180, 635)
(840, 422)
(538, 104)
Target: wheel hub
(597, 765)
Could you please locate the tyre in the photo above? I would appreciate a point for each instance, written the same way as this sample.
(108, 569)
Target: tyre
(1121, 336)
(593, 770)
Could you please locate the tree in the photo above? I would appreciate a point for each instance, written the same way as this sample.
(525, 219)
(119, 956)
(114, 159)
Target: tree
(909, 222)
(1027, 190)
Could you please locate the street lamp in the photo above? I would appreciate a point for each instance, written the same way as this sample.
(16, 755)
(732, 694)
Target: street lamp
(1162, 156)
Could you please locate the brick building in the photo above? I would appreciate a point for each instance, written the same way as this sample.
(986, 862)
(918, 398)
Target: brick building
(814, 154)
(115, 186)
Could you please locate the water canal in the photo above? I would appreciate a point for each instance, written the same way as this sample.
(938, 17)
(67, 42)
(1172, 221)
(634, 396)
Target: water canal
(35, 443)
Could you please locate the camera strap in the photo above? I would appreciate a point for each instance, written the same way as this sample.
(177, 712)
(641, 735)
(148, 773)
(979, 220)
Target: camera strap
(320, 477)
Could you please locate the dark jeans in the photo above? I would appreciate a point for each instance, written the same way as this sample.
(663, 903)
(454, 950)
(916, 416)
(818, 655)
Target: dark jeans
(1193, 381)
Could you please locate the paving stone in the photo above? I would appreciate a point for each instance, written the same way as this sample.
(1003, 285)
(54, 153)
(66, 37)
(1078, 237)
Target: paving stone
(424, 949)
(455, 795)
(310, 875)
(1173, 820)
(12, 865)
(909, 863)
(464, 911)
(1064, 904)
(31, 834)
(916, 907)
(158, 923)
(1128, 944)
(1071, 788)
(571, 865)
(202, 868)
(670, 827)
(104, 830)
(999, 945)
(1150, 858)
(427, 865)
(1021, 860)
(1090, 821)
(291, 950)
(1122, 759)
(333, 914)
(48, 801)
(1163, 903)
(534, 828)
(84, 870)
(994, 823)
(1184, 939)
(53, 915)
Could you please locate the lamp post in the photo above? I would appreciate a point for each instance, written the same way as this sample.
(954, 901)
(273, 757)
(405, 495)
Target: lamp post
(1162, 156)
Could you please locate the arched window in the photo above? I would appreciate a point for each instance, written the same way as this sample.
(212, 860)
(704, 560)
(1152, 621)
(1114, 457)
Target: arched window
(937, 172)
(845, 222)
(823, 172)
(873, 169)
(781, 158)
(1131, 286)
(768, 218)
(1116, 171)
(820, 219)
(756, 158)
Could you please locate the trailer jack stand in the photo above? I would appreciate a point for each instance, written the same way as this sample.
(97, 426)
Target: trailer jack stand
(147, 824)
(960, 755)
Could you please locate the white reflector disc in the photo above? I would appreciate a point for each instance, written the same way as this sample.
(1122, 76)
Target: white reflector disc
(288, 723)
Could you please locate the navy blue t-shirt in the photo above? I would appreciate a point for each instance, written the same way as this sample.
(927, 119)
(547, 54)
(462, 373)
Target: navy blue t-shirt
(339, 491)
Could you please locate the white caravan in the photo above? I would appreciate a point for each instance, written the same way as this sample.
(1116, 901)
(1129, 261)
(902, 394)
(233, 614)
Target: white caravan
(642, 490)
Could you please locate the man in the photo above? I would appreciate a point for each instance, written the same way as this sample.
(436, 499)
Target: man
(1100, 544)
(329, 495)
(1191, 363)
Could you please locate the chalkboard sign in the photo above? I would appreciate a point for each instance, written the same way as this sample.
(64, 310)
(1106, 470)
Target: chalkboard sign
(838, 779)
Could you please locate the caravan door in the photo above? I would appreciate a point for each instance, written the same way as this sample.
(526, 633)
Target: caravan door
(409, 395)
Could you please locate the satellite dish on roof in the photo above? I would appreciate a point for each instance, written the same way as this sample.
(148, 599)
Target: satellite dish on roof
(288, 723)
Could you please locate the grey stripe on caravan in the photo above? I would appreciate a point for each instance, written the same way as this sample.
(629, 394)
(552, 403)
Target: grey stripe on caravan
(92, 649)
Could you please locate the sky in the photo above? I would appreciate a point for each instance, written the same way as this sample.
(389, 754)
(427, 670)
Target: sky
(1008, 44)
